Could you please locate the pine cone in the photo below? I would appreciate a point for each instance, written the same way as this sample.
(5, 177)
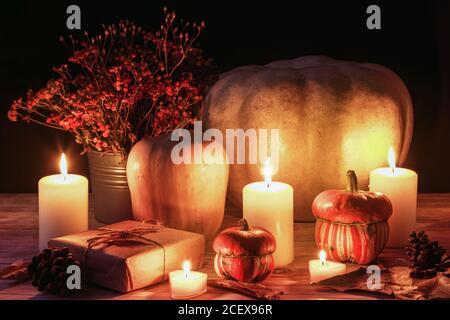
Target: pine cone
(427, 258)
(48, 270)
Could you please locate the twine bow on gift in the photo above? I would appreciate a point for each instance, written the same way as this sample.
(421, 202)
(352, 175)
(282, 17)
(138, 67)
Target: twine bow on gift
(108, 237)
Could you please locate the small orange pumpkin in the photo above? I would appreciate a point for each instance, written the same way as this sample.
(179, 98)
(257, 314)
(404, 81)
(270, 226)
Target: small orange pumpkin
(244, 254)
(352, 224)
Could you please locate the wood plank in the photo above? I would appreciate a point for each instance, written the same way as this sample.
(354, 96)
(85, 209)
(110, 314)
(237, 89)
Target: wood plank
(19, 238)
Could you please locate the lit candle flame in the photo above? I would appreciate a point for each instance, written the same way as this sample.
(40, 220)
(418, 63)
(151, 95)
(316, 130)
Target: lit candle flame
(391, 159)
(322, 257)
(186, 268)
(267, 172)
(63, 166)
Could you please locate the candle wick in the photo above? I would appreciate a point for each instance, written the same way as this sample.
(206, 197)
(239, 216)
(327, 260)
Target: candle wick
(393, 170)
(322, 262)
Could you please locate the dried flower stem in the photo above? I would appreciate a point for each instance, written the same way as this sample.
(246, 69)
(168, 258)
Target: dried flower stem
(129, 83)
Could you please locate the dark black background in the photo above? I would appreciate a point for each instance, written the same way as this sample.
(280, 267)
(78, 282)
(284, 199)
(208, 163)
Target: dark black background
(414, 41)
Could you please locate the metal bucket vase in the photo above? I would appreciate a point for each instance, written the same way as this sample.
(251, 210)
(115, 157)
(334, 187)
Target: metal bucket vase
(108, 176)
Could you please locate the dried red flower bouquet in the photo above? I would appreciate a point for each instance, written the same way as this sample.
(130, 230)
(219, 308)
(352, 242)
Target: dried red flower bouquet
(123, 84)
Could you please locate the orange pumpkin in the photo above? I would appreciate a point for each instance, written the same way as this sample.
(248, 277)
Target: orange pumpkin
(243, 253)
(332, 115)
(352, 224)
(182, 196)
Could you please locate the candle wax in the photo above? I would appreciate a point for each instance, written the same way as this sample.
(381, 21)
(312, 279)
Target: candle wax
(271, 206)
(63, 206)
(319, 270)
(400, 186)
(187, 285)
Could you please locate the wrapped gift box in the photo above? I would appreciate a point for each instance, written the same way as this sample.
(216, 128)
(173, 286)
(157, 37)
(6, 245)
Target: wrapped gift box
(133, 258)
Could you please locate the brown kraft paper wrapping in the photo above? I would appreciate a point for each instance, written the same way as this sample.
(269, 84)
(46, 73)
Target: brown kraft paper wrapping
(130, 265)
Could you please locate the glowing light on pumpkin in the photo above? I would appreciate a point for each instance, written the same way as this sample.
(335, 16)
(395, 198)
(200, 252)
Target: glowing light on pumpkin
(186, 268)
(63, 166)
(391, 159)
(267, 172)
(322, 257)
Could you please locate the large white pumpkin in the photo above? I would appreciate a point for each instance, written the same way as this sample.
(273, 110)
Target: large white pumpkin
(333, 116)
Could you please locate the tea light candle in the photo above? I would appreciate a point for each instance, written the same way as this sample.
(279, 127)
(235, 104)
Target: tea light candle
(270, 205)
(400, 185)
(63, 205)
(185, 284)
(322, 269)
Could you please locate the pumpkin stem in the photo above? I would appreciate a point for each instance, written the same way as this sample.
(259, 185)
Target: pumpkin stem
(352, 181)
(243, 223)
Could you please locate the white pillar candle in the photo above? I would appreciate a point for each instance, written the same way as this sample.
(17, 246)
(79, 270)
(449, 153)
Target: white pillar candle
(270, 205)
(322, 269)
(186, 284)
(63, 205)
(400, 185)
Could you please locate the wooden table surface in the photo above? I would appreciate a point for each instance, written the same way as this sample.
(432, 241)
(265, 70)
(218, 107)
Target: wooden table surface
(19, 240)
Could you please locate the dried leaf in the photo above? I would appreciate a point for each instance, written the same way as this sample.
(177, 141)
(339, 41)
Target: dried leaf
(253, 290)
(355, 280)
(395, 281)
(17, 271)
(435, 288)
